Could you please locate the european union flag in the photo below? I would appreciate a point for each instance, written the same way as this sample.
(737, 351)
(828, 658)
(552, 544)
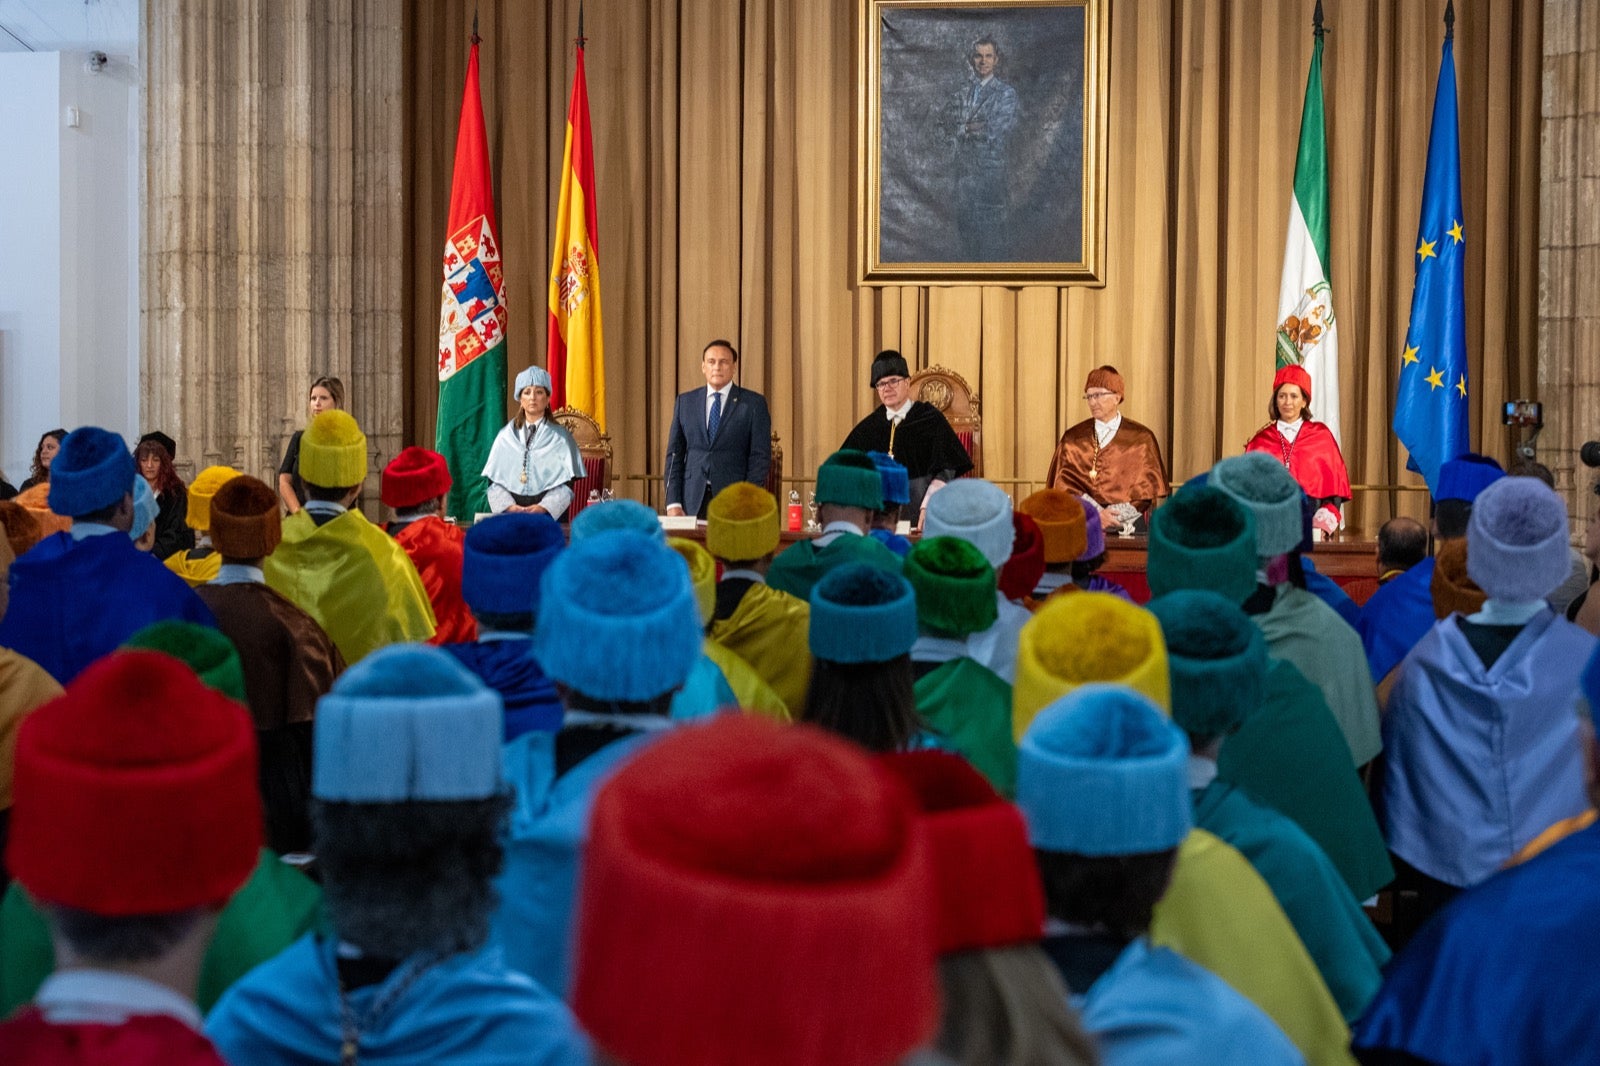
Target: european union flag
(1430, 411)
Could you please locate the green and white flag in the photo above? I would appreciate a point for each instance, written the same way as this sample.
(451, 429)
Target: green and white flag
(1307, 332)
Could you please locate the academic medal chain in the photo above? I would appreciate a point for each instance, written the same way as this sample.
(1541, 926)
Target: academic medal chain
(894, 424)
(350, 1029)
(527, 443)
(1287, 447)
(1094, 465)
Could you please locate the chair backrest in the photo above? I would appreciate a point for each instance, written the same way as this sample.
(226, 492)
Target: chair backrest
(594, 447)
(774, 483)
(950, 393)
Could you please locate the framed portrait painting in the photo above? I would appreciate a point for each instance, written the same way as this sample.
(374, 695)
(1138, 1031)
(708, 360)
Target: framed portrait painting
(982, 142)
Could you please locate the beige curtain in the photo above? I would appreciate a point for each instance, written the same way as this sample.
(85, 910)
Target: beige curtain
(725, 147)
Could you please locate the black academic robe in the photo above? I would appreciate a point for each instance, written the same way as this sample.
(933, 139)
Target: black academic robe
(924, 444)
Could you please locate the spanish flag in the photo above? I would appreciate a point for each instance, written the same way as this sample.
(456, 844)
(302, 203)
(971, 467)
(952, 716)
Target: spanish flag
(577, 343)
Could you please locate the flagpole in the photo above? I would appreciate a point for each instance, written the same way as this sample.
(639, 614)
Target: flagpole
(479, 40)
(1317, 29)
(1449, 19)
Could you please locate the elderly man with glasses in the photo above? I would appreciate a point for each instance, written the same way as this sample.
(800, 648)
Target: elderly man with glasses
(911, 432)
(1112, 460)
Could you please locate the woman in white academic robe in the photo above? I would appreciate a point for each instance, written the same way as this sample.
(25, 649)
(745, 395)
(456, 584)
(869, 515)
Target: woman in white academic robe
(534, 460)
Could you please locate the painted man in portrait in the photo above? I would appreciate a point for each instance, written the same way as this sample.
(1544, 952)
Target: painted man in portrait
(987, 116)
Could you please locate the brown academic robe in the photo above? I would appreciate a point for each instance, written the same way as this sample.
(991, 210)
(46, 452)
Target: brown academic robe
(1127, 470)
(289, 662)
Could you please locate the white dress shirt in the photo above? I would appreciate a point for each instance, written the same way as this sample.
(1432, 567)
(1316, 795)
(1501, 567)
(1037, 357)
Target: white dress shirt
(1104, 431)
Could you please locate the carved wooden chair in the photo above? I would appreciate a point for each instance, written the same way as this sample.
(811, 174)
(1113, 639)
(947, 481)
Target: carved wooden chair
(594, 447)
(950, 393)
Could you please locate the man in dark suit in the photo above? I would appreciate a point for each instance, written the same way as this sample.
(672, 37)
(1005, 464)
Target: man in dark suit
(720, 434)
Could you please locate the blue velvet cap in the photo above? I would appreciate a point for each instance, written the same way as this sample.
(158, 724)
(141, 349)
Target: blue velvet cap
(618, 619)
(408, 722)
(503, 559)
(145, 508)
(533, 375)
(1463, 477)
(93, 470)
(617, 514)
(1101, 771)
(862, 614)
(896, 479)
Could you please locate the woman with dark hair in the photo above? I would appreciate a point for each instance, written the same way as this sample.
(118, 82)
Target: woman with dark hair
(1306, 448)
(172, 497)
(863, 623)
(39, 472)
(326, 394)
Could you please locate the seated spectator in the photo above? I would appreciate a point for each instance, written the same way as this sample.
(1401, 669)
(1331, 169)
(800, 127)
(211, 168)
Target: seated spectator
(289, 662)
(1401, 612)
(1481, 740)
(1498, 976)
(748, 691)
(1102, 782)
(154, 456)
(409, 806)
(1021, 573)
(501, 563)
(617, 514)
(336, 566)
(145, 509)
(979, 513)
(967, 707)
(1402, 544)
(415, 485)
(764, 626)
(44, 454)
(896, 495)
(849, 492)
(1577, 582)
(1086, 567)
(200, 563)
(1063, 528)
(24, 684)
(619, 633)
(1219, 666)
(863, 623)
(1004, 1003)
(78, 595)
(151, 778)
(1298, 626)
(1288, 753)
(818, 952)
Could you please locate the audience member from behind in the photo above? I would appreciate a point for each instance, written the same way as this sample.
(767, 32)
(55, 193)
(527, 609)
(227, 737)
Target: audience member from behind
(145, 509)
(782, 881)
(415, 485)
(200, 563)
(1086, 568)
(336, 566)
(966, 705)
(1490, 979)
(1102, 780)
(289, 661)
(1402, 544)
(750, 693)
(151, 778)
(44, 454)
(1401, 612)
(1563, 595)
(326, 394)
(979, 513)
(1218, 661)
(1061, 518)
(154, 456)
(767, 628)
(896, 495)
(618, 632)
(1004, 1003)
(503, 560)
(1480, 737)
(863, 624)
(24, 684)
(78, 595)
(408, 814)
(849, 492)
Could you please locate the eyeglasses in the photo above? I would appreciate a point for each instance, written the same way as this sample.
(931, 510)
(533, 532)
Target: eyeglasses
(1092, 396)
(890, 382)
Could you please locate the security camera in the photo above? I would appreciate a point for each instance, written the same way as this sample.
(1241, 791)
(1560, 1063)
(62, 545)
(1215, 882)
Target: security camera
(97, 62)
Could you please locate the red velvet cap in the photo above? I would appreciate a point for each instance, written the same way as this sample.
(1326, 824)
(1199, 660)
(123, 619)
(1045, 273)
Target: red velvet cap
(987, 883)
(414, 476)
(755, 893)
(1292, 375)
(135, 792)
(1023, 570)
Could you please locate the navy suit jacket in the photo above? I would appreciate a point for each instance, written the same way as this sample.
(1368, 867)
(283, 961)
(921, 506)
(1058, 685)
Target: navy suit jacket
(742, 450)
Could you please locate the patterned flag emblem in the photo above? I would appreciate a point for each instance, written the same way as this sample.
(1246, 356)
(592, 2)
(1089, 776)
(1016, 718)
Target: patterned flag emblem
(472, 317)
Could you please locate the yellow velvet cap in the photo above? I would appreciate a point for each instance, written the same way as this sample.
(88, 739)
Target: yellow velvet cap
(702, 575)
(742, 522)
(333, 451)
(1059, 517)
(205, 486)
(1084, 637)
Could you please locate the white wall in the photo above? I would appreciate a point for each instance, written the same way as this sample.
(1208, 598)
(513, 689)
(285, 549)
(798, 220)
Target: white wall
(68, 311)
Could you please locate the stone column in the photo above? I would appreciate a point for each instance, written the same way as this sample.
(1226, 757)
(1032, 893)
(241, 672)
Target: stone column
(1569, 248)
(272, 222)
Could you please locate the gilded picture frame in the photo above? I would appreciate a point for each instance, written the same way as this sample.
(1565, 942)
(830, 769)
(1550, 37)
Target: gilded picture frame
(981, 142)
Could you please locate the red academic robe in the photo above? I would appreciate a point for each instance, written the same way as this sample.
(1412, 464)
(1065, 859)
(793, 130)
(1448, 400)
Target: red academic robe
(1313, 459)
(142, 1040)
(434, 546)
